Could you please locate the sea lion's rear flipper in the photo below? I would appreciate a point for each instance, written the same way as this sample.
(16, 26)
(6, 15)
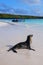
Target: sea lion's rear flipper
(12, 50)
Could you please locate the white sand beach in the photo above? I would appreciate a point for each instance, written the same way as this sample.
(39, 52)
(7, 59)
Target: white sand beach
(11, 34)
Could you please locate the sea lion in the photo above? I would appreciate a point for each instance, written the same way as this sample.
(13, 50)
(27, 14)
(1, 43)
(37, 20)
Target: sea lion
(23, 45)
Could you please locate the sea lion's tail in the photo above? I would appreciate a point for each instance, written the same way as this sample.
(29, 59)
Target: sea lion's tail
(12, 50)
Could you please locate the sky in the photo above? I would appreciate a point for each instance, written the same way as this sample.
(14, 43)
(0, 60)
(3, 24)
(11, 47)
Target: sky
(23, 7)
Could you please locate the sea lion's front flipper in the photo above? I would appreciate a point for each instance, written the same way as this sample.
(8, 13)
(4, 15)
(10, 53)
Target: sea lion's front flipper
(31, 49)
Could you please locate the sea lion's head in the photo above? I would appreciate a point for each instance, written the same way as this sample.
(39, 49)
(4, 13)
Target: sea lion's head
(29, 37)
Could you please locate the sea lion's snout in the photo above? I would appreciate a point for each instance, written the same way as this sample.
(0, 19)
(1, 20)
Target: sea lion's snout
(29, 36)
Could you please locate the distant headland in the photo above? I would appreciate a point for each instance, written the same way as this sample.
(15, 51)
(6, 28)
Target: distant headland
(11, 16)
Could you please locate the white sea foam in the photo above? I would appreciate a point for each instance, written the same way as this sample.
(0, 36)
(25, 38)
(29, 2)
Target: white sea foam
(3, 24)
(13, 33)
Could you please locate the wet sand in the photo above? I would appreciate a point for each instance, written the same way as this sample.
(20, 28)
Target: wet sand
(11, 34)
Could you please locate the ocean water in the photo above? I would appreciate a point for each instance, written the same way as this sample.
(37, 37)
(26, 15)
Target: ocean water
(33, 21)
(25, 21)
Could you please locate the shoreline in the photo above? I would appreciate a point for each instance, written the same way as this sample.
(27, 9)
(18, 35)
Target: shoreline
(11, 35)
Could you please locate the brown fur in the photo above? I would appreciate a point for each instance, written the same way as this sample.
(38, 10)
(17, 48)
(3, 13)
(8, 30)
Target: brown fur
(23, 45)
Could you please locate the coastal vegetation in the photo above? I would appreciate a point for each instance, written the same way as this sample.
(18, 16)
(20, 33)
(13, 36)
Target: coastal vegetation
(11, 16)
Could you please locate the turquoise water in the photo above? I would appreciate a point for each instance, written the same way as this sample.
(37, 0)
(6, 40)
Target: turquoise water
(34, 21)
(26, 21)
